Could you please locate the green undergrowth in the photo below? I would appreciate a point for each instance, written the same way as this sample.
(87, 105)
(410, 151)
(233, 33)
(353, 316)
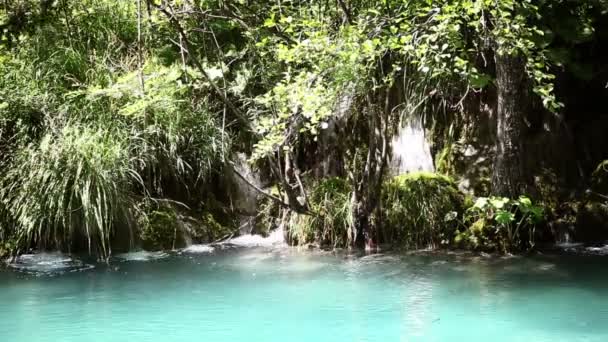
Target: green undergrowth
(167, 227)
(331, 221)
(499, 224)
(599, 179)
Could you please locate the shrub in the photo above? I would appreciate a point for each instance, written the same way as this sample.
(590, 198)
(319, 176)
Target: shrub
(419, 210)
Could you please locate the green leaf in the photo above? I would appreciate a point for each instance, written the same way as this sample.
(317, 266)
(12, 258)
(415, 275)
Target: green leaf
(481, 203)
(479, 81)
(504, 217)
(498, 202)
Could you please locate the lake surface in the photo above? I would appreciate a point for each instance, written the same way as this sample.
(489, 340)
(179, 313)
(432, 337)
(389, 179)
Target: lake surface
(266, 294)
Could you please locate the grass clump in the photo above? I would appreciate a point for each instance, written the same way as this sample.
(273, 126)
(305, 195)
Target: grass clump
(74, 182)
(419, 210)
(331, 221)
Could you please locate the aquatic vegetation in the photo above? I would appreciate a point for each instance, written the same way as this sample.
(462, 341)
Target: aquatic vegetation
(599, 179)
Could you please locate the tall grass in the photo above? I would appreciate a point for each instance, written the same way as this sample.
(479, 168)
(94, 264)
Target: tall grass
(331, 222)
(74, 182)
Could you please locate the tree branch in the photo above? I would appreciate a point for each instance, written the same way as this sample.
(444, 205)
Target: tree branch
(258, 189)
(346, 12)
(188, 47)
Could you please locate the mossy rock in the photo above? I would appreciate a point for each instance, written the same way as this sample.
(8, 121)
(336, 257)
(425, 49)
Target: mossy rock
(420, 209)
(444, 160)
(159, 230)
(599, 179)
(481, 235)
(592, 222)
(209, 229)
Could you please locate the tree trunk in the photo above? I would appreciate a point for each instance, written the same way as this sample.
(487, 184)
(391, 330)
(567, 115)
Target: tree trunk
(509, 177)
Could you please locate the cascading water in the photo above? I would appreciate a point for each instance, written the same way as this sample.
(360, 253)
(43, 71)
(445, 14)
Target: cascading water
(275, 239)
(411, 151)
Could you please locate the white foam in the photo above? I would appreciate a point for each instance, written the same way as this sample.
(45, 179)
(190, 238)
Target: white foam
(48, 263)
(199, 249)
(569, 245)
(274, 239)
(598, 250)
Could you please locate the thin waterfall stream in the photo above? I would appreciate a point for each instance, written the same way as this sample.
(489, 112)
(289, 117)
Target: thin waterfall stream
(411, 151)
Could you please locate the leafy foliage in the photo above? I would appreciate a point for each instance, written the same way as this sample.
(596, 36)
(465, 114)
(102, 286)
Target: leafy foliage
(499, 223)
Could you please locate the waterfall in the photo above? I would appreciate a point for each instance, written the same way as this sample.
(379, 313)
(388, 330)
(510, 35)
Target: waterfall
(411, 151)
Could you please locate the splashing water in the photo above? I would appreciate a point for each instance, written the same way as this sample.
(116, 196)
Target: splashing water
(411, 151)
(275, 239)
(48, 263)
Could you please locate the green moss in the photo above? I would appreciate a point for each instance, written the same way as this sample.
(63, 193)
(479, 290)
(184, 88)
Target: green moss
(420, 210)
(478, 236)
(8, 247)
(158, 229)
(444, 161)
(211, 230)
(268, 214)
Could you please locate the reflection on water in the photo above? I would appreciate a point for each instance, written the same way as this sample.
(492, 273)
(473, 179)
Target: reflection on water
(283, 294)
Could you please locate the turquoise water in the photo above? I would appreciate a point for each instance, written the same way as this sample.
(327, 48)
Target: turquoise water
(261, 294)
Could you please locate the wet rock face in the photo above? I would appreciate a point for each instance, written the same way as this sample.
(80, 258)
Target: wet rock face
(244, 197)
